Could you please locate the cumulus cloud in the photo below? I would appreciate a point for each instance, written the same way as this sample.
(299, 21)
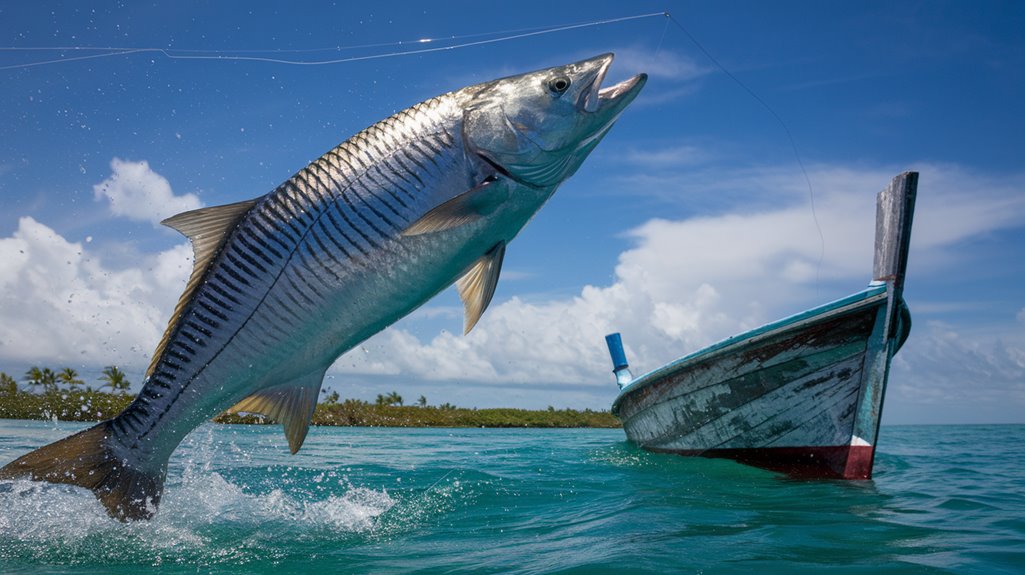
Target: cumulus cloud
(61, 303)
(135, 191)
(687, 283)
(944, 375)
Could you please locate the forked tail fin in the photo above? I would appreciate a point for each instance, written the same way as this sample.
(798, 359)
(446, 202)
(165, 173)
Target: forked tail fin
(85, 459)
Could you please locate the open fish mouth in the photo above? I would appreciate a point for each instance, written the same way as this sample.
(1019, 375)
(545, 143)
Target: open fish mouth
(597, 98)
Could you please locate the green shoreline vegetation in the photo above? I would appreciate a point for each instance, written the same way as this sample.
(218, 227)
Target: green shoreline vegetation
(63, 396)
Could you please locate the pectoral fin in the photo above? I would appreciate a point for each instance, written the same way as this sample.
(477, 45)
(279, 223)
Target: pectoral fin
(477, 286)
(465, 208)
(291, 404)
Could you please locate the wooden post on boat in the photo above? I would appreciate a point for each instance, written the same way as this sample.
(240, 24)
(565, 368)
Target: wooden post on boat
(895, 207)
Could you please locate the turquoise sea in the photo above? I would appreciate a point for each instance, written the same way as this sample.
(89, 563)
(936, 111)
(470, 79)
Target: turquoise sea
(945, 499)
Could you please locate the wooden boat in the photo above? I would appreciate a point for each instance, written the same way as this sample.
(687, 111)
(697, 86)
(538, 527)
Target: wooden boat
(802, 395)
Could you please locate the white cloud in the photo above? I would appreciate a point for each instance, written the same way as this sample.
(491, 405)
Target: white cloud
(688, 283)
(137, 192)
(62, 304)
(944, 375)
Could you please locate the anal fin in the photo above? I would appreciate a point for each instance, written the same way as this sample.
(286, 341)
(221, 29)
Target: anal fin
(292, 404)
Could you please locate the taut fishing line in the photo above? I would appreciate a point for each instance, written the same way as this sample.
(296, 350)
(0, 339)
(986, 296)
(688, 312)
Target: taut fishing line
(790, 137)
(461, 41)
(237, 55)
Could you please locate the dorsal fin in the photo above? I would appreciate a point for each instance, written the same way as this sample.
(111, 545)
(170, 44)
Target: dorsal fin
(206, 228)
(477, 286)
(292, 404)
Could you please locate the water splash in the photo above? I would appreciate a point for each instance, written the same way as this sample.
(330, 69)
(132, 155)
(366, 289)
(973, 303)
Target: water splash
(207, 517)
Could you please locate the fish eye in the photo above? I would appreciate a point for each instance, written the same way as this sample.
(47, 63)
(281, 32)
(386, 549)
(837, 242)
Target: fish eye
(559, 84)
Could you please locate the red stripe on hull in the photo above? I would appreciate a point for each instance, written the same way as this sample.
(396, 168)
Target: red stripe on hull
(828, 462)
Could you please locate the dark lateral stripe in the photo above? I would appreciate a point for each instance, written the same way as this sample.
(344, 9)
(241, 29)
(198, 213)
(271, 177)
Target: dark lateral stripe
(352, 226)
(315, 236)
(405, 168)
(245, 252)
(338, 227)
(315, 188)
(249, 235)
(366, 197)
(277, 205)
(162, 374)
(300, 290)
(218, 276)
(179, 356)
(316, 267)
(427, 156)
(392, 187)
(299, 200)
(345, 168)
(283, 312)
(385, 186)
(206, 320)
(184, 346)
(412, 158)
(269, 230)
(275, 219)
(327, 183)
(328, 163)
(223, 293)
(296, 276)
(395, 172)
(196, 327)
(347, 200)
(223, 307)
(238, 266)
(211, 309)
(170, 364)
(357, 155)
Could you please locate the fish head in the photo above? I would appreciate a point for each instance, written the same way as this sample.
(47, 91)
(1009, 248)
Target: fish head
(537, 128)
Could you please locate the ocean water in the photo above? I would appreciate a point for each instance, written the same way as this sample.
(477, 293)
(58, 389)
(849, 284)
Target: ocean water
(945, 499)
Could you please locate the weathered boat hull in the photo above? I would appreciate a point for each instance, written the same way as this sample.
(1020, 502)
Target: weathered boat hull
(803, 395)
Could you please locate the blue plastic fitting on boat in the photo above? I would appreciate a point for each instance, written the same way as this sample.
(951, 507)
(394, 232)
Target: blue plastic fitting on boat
(619, 365)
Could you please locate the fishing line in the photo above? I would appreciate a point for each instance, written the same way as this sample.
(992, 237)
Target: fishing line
(790, 137)
(234, 55)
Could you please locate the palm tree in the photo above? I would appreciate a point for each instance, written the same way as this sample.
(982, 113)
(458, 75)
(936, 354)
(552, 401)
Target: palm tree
(42, 377)
(49, 379)
(422, 402)
(69, 377)
(34, 376)
(115, 379)
(390, 399)
(8, 386)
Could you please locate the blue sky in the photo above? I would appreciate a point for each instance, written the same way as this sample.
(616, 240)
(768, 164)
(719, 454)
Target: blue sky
(690, 222)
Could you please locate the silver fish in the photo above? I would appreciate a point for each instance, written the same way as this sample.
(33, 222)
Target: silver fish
(287, 282)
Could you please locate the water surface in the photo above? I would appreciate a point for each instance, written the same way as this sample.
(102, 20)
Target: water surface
(945, 499)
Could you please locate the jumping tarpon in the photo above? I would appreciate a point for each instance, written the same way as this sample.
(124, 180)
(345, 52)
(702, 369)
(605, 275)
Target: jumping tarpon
(286, 283)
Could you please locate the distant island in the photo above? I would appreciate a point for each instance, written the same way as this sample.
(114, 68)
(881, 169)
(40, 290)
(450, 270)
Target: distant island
(62, 395)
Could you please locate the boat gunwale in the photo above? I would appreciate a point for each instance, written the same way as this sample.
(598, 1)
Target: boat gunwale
(876, 292)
